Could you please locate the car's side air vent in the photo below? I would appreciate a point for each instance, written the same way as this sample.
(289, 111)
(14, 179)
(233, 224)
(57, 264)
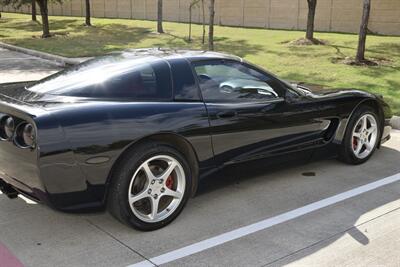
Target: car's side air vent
(330, 131)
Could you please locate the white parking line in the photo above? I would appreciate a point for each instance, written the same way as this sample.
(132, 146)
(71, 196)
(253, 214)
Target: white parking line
(267, 223)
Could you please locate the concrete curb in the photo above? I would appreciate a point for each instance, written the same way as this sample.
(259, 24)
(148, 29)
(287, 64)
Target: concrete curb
(395, 122)
(63, 61)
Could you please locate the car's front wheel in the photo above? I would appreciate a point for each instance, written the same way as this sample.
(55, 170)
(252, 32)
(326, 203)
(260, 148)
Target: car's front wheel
(361, 137)
(150, 187)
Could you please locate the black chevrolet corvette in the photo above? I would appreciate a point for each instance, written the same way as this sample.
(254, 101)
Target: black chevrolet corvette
(135, 131)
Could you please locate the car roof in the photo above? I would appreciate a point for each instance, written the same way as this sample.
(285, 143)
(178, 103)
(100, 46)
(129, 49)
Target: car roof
(166, 53)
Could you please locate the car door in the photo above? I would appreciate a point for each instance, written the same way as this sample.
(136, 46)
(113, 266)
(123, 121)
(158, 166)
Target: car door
(249, 115)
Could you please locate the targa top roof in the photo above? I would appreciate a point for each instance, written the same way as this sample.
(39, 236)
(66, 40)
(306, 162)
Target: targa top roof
(166, 53)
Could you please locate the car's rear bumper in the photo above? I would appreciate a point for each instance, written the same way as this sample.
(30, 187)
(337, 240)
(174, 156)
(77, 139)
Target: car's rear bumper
(54, 180)
(20, 174)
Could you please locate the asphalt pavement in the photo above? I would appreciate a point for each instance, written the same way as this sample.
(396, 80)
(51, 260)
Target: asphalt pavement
(15, 67)
(324, 213)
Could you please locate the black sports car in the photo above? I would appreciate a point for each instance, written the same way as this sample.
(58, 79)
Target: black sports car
(135, 131)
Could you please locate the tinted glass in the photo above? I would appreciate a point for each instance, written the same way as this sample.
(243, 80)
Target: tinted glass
(231, 81)
(185, 87)
(135, 80)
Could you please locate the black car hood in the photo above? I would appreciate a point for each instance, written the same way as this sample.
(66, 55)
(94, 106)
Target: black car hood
(317, 90)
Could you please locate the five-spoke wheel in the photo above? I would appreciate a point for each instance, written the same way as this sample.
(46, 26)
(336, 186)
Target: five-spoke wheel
(150, 187)
(156, 188)
(361, 137)
(365, 134)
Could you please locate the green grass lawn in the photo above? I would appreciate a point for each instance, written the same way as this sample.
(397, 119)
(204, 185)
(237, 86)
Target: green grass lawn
(267, 48)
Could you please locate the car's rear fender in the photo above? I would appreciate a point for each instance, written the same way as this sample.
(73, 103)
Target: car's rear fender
(177, 141)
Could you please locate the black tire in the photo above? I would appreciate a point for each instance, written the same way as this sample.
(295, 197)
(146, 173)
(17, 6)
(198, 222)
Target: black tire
(346, 153)
(118, 204)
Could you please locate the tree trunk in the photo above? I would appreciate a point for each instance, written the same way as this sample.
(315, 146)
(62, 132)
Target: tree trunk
(160, 16)
(195, 2)
(312, 5)
(204, 22)
(87, 20)
(190, 23)
(211, 26)
(45, 17)
(363, 32)
(33, 7)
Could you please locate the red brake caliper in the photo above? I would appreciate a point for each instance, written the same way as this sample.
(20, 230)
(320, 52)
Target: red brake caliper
(354, 142)
(169, 182)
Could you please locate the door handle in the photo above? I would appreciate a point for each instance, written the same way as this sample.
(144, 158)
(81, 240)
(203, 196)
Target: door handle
(226, 114)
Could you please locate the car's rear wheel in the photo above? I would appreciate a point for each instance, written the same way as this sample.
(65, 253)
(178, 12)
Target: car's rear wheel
(361, 137)
(150, 186)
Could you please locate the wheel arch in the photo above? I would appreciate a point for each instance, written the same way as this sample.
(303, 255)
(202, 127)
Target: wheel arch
(176, 141)
(371, 102)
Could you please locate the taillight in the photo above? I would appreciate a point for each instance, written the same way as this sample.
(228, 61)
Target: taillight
(25, 136)
(22, 133)
(7, 127)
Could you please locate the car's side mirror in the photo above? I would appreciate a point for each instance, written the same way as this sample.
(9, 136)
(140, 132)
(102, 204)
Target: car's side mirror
(290, 97)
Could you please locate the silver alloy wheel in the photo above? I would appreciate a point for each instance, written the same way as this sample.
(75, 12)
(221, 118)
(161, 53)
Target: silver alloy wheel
(157, 188)
(364, 137)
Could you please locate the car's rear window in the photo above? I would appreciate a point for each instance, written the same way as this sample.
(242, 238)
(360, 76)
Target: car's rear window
(139, 79)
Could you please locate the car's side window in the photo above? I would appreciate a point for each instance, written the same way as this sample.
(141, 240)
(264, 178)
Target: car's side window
(148, 81)
(230, 81)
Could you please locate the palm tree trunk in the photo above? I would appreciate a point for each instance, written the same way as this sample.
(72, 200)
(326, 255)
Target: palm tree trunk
(211, 26)
(312, 5)
(190, 23)
(362, 38)
(204, 22)
(160, 16)
(195, 2)
(87, 20)
(33, 7)
(45, 17)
